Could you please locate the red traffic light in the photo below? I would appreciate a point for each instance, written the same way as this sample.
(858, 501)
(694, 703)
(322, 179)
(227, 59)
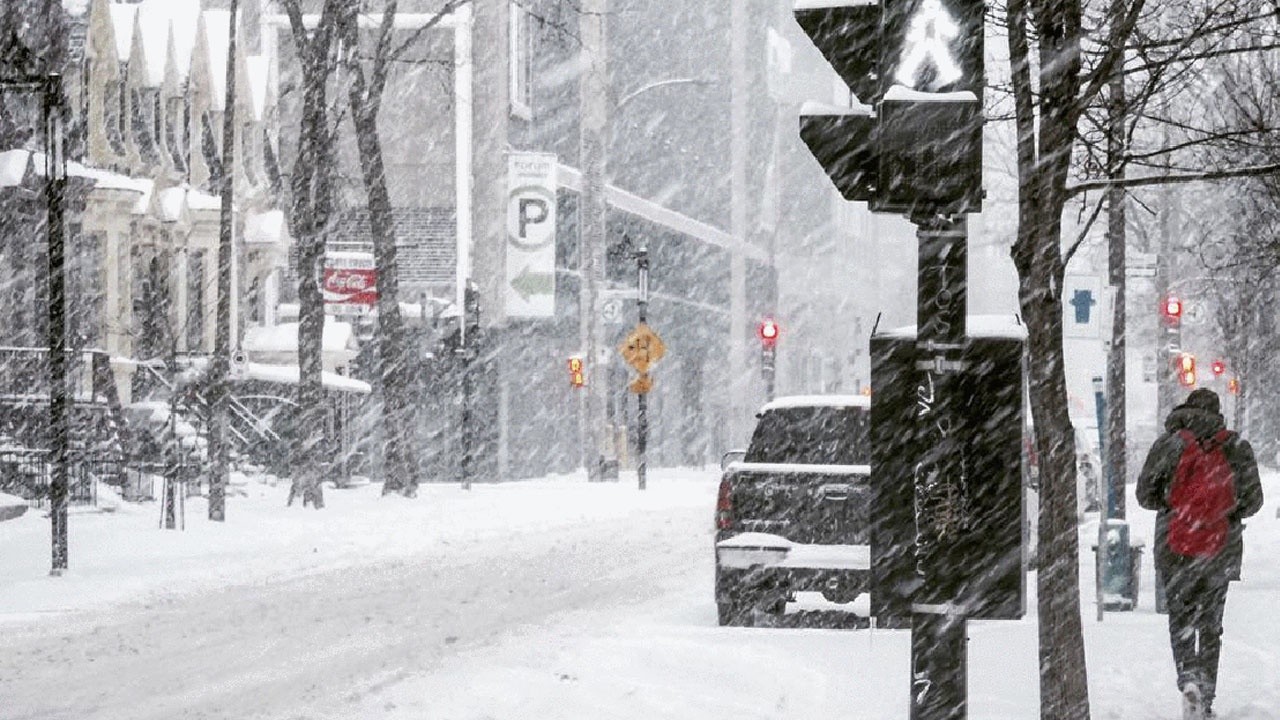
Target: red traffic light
(1172, 308)
(1219, 367)
(768, 331)
(577, 372)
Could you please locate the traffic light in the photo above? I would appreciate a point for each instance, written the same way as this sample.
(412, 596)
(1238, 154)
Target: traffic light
(1218, 367)
(912, 140)
(768, 332)
(842, 139)
(1233, 386)
(1171, 308)
(1187, 369)
(577, 372)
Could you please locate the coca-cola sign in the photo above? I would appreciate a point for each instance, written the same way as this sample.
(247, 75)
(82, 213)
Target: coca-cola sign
(350, 286)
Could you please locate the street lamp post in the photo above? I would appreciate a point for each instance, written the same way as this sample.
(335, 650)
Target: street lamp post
(59, 419)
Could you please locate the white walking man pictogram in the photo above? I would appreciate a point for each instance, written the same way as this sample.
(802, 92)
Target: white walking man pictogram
(928, 36)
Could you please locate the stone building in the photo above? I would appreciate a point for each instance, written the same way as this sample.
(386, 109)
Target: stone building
(145, 87)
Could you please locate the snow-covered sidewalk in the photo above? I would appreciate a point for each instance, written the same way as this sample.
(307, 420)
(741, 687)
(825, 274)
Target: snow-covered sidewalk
(547, 600)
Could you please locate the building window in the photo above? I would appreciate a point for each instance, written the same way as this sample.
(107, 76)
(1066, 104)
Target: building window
(195, 301)
(212, 153)
(520, 60)
(142, 125)
(248, 156)
(122, 113)
(157, 119)
(85, 294)
(176, 131)
(111, 116)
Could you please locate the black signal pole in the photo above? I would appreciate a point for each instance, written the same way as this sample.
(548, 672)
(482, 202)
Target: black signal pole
(938, 625)
(642, 402)
(59, 418)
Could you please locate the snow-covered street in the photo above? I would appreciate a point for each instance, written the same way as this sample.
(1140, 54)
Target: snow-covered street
(545, 599)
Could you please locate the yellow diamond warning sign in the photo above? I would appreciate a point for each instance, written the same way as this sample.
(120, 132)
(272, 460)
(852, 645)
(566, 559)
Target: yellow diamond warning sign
(642, 348)
(642, 384)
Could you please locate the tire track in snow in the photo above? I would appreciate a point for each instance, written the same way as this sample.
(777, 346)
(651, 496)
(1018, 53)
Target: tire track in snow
(271, 649)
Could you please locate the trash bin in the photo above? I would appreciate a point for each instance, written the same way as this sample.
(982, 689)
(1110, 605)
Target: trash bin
(1121, 562)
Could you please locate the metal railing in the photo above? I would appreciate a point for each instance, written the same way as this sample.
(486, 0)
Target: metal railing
(26, 372)
(25, 472)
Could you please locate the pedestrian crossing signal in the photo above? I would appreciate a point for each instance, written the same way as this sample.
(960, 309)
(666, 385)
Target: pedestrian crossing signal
(577, 372)
(1187, 369)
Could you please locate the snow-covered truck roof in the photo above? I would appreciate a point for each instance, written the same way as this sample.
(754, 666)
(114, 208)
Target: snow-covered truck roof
(803, 401)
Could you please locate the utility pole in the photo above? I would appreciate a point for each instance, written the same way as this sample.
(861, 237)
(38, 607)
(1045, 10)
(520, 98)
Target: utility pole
(59, 410)
(1115, 472)
(593, 218)
(739, 383)
(220, 365)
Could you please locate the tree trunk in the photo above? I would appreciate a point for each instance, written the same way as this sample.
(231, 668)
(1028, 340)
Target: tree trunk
(400, 462)
(1043, 161)
(312, 203)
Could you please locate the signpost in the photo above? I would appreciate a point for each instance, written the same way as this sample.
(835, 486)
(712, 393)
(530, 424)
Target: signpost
(642, 348)
(530, 289)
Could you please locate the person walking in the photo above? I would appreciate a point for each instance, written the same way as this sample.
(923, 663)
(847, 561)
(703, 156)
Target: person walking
(1202, 481)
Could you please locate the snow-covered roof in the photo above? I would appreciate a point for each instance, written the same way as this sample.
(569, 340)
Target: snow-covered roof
(289, 374)
(802, 401)
(217, 25)
(1004, 326)
(153, 31)
(14, 164)
(184, 16)
(264, 227)
(283, 338)
(170, 203)
(142, 205)
(259, 73)
(200, 200)
(122, 20)
(824, 4)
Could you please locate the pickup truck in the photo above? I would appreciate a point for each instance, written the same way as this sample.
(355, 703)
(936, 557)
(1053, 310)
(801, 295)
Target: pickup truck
(792, 515)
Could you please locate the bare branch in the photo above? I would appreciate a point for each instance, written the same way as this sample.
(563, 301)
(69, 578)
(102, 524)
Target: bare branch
(1084, 232)
(1113, 59)
(1171, 179)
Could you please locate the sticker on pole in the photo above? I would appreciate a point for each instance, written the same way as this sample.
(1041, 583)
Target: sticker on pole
(530, 289)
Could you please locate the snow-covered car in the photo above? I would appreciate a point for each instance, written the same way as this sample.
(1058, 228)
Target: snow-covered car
(792, 516)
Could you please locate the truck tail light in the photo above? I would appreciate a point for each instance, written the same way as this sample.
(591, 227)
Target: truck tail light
(724, 506)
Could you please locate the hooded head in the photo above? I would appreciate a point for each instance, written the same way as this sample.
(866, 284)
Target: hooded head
(1200, 413)
(1204, 399)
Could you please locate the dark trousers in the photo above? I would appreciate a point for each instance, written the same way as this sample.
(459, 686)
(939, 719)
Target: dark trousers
(1196, 591)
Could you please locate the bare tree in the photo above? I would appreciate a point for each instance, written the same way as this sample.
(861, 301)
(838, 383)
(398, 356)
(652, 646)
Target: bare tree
(1058, 79)
(365, 93)
(311, 211)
